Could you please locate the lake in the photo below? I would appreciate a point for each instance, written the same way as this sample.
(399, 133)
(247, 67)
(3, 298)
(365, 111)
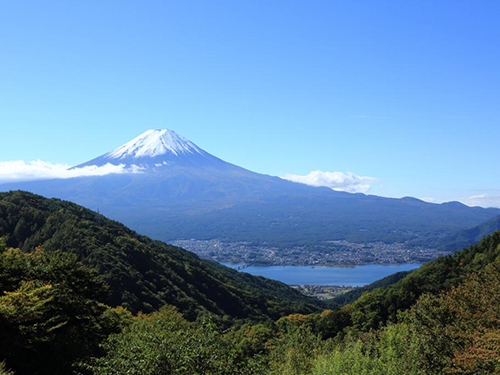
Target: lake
(320, 275)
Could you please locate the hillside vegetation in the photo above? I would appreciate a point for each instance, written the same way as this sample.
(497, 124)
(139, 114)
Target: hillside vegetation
(55, 318)
(468, 237)
(380, 305)
(142, 274)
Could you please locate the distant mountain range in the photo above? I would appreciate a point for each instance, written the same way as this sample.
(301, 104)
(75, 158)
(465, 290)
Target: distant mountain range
(180, 191)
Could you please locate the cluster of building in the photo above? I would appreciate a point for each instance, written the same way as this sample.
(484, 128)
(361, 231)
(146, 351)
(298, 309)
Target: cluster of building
(326, 253)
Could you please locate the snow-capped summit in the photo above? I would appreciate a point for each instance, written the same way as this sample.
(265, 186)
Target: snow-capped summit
(153, 143)
(156, 148)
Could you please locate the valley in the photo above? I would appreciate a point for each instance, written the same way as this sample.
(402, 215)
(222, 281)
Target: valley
(168, 188)
(323, 291)
(326, 253)
(78, 285)
(249, 187)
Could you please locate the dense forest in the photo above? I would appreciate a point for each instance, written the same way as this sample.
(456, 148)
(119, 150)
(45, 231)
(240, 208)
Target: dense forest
(76, 297)
(467, 237)
(143, 274)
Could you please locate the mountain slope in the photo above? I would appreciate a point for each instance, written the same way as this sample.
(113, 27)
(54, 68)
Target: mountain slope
(467, 237)
(353, 295)
(156, 148)
(380, 305)
(143, 274)
(180, 191)
(463, 240)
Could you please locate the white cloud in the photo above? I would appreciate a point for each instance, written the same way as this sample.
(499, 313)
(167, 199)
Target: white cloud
(339, 181)
(12, 171)
(483, 200)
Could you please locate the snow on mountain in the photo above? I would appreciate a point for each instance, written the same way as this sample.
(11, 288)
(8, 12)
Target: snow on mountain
(156, 148)
(184, 192)
(153, 143)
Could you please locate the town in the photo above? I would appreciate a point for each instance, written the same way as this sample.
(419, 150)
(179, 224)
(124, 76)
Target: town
(330, 253)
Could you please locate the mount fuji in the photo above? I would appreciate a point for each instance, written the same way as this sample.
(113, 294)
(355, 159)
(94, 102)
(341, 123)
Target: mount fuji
(179, 191)
(156, 148)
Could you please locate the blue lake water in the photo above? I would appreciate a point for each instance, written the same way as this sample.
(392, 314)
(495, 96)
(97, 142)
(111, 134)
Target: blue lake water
(319, 275)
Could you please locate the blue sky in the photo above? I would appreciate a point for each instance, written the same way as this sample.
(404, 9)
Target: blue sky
(406, 92)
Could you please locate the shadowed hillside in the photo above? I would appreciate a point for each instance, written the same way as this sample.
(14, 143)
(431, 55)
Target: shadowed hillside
(142, 274)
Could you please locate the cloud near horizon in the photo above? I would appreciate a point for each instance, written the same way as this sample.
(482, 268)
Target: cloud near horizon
(482, 200)
(19, 170)
(339, 181)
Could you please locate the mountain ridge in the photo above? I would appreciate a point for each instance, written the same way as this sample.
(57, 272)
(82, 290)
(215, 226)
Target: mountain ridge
(197, 195)
(467, 237)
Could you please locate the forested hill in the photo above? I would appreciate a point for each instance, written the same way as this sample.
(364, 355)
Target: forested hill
(353, 295)
(384, 299)
(467, 237)
(143, 274)
(53, 319)
(441, 273)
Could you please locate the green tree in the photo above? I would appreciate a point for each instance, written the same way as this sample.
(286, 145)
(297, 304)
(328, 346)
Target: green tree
(389, 351)
(50, 311)
(4, 370)
(294, 349)
(460, 329)
(165, 343)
